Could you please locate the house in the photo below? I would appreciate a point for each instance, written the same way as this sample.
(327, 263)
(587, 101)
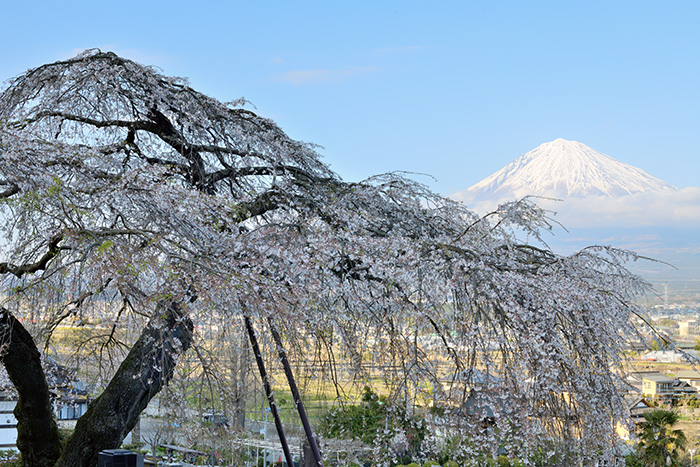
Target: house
(685, 346)
(69, 399)
(65, 408)
(637, 406)
(8, 422)
(664, 356)
(688, 328)
(69, 402)
(657, 384)
(689, 376)
(69, 395)
(665, 388)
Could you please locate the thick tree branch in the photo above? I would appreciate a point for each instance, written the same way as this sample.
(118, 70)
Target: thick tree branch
(37, 434)
(143, 373)
(40, 265)
(12, 190)
(130, 124)
(161, 126)
(235, 172)
(265, 202)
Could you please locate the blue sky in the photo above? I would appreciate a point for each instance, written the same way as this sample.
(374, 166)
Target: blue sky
(454, 89)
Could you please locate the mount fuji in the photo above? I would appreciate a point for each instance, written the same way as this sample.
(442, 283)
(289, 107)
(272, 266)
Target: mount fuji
(601, 200)
(564, 169)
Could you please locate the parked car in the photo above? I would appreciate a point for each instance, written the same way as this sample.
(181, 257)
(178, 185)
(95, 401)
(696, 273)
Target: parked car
(217, 420)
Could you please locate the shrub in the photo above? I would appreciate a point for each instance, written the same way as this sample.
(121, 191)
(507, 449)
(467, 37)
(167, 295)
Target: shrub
(10, 458)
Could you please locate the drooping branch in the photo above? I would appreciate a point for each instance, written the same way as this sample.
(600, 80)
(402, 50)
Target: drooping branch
(164, 129)
(37, 434)
(143, 373)
(70, 307)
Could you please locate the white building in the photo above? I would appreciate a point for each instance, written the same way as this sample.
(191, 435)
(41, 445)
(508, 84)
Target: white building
(664, 356)
(688, 328)
(8, 425)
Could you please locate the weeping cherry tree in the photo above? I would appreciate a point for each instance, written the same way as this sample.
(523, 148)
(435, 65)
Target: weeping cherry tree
(127, 187)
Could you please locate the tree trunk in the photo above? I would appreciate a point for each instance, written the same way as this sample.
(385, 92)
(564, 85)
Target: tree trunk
(147, 368)
(37, 433)
(136, 432)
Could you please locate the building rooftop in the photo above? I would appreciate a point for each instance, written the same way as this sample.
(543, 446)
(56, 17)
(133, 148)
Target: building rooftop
(659, 378)
(688, 374)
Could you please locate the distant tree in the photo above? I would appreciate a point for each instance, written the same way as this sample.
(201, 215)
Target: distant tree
(373, 418)
(131, 197)
(660, 344)
(661, 445)
(363, 421)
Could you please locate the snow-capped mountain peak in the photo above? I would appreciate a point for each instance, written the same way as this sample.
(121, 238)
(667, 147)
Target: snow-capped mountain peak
(565, 169)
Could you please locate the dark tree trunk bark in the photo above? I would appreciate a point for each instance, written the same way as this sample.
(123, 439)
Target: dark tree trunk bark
(37, 433)
(147, 368)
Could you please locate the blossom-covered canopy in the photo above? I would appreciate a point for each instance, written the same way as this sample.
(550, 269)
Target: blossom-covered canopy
(121, 182)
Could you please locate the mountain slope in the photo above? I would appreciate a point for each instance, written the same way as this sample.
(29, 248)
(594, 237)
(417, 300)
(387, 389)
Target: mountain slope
(604, 202)
(565, 169)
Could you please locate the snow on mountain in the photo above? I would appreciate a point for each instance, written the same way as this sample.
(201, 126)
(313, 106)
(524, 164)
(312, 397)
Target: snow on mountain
(604, 201)
(565, 169)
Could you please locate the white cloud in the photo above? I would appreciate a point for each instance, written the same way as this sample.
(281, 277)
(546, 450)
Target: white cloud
(672, 209)
(321, 75)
